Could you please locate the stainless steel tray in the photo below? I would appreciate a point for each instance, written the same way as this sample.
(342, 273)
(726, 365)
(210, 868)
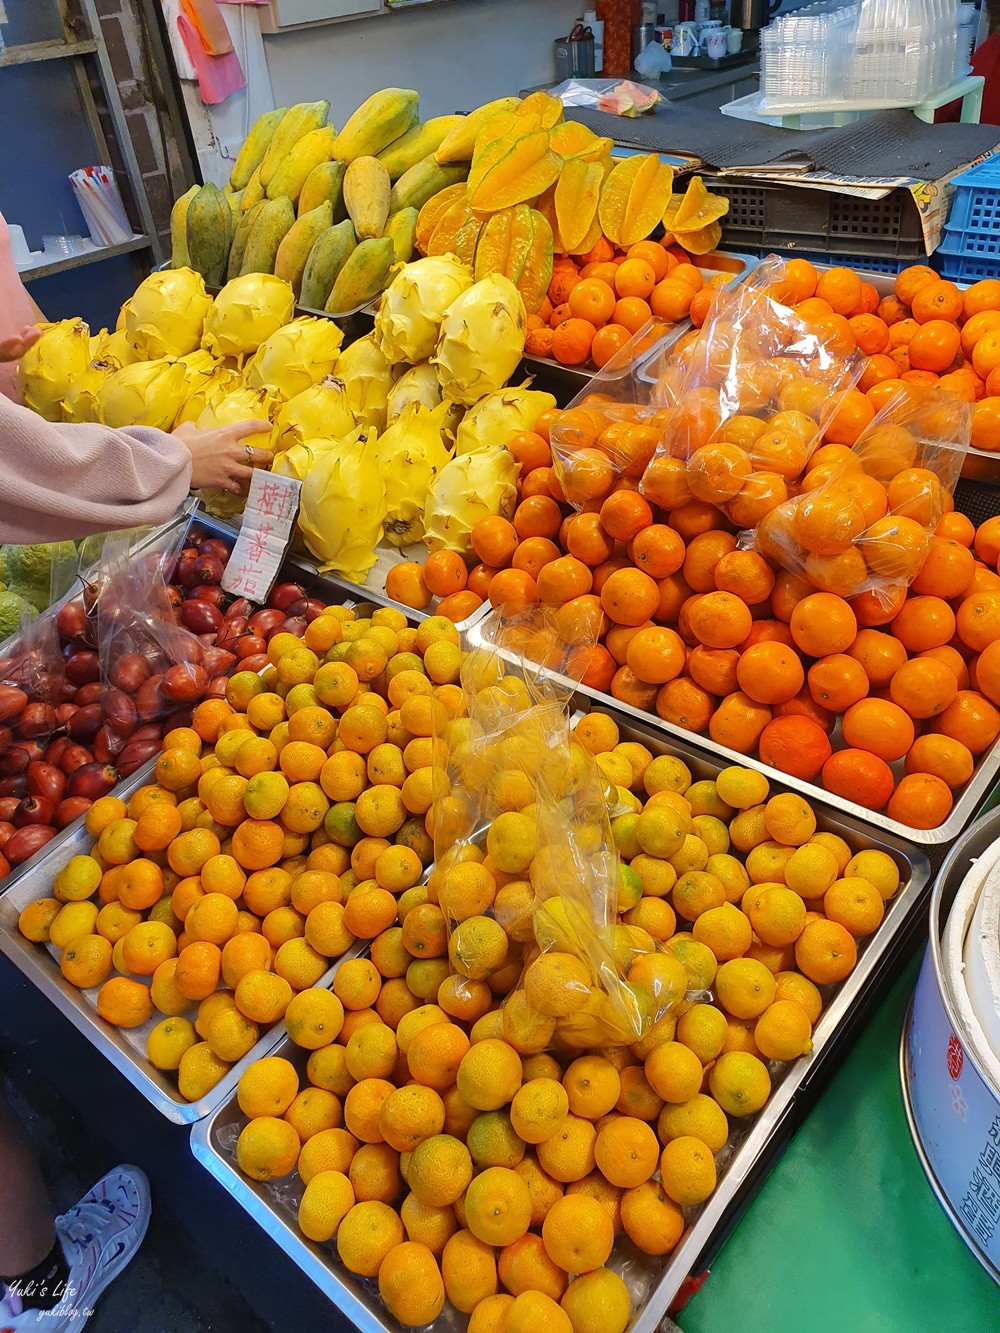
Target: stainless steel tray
(654, 1283)
(125, 1048)
(567, 381)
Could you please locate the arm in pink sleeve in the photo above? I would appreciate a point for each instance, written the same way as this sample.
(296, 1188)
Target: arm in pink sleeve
(67, 481)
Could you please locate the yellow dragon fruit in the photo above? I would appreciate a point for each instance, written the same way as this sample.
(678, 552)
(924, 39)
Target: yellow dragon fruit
(246, 312)
(414, 304)
(80, 403)
(166, 315)
(417, 385)
(410, 454)
(498, 417)
(464, 491)
(148, 393)
(343, 506)
(222, 381)
(113, 347)
(230, 409)
(367, 377)
(481, 340)
(318, 412)
(46, 371)
(296, 356)
(297, 460)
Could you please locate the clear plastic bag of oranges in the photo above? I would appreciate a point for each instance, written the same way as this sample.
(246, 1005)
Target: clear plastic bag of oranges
(865, 515)
(526, 871)
(742, 402)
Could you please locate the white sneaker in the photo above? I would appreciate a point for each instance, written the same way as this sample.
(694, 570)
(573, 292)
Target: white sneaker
(100, 1235)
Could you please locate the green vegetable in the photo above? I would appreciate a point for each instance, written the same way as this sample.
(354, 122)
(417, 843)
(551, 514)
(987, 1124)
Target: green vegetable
(28, 569)
(11, 609)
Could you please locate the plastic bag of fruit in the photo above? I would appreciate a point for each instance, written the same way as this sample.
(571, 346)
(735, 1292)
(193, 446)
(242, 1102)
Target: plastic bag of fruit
(153, 669)
(526, 870)
(865, 516)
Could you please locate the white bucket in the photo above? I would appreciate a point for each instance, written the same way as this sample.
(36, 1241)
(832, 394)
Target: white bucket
(950, 1054)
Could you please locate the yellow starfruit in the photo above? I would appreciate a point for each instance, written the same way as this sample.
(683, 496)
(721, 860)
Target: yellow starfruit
(634, 198)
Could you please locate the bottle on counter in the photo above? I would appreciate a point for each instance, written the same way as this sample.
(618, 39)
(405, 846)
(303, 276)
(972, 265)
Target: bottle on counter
(591, 21)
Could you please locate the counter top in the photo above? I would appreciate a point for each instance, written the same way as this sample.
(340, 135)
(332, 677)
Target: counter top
(677, 84)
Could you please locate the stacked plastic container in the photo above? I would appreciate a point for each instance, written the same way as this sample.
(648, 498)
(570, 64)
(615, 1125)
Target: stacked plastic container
(971, 246)
(878, 53)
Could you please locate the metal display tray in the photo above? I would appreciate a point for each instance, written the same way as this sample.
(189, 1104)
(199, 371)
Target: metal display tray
(567, 381)
(125, 1048)
(654, 1283)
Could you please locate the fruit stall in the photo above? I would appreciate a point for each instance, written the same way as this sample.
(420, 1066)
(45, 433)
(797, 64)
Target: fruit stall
(491, 890)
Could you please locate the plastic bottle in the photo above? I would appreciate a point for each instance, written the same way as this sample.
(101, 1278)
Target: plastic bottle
(591, 21)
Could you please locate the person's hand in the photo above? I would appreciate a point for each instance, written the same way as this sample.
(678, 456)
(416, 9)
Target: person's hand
(14, 347)
(223, 458)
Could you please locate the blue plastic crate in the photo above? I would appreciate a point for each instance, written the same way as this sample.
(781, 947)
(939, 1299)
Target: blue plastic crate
(976, 202)
(959, 267)
(972, 241)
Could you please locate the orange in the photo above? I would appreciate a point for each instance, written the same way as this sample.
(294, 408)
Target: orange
(909, 281)
(940, 301)
(635, 277)
(124, 1003)
(822, 623)
(652, 1221)
(841, 287)
(921, 800)
(631, 313)
(825, 952)
(971, 720)
(577, 1233)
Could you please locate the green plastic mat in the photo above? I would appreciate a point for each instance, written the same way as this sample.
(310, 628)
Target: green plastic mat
(845, 1232)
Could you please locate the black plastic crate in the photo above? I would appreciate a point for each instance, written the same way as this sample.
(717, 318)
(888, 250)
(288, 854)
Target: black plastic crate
(765, 217)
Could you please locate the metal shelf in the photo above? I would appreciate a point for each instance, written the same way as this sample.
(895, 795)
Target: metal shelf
(30, 53)
(86, 257)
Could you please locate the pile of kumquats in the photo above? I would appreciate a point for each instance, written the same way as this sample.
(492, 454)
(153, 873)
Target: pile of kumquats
(884, 698)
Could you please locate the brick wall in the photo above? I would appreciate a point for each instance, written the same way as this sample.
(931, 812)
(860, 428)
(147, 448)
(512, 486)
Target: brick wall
(141, 93)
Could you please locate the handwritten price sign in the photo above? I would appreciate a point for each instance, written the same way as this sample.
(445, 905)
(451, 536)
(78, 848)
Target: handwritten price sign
(266, 530)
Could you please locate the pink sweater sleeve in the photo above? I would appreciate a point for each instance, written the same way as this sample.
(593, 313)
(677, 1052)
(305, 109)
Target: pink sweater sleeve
(60, 481)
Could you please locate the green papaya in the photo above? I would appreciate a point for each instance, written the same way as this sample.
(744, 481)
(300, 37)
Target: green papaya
(363, 276)
(377, 123)
(179, 257)
(324, 183)
(270, 226)
(423, 182)
(297, 244)
(402, 231)
(251, 154)
(240, 237)
(209, 233)
(295, 124)
(327, 257)
(416, 144)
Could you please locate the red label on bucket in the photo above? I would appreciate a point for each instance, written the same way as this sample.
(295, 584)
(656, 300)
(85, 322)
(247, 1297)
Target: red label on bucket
(956, 1056)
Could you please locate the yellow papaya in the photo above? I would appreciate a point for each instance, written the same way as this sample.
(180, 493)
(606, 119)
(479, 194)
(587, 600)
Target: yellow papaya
(254, 146)
(327, 257)
(297, 243)
(272, 224)
(416, 144)
(422, 182)
(254, 192)
(291, 174)
(377, 123)
(432, 211)
(295, 124)
(179, 257)
(209, 230)
(325, 183)
(363, 276)
(458, 145)
(366, 196)
(240, 237)
(402, 231)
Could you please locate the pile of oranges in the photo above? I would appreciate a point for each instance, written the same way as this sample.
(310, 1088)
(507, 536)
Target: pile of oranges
(928, 332)
(453, 1146)
(216, 896)
(595, 306)
(722, 641)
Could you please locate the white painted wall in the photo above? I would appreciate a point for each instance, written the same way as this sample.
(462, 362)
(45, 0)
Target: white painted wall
(457, 55)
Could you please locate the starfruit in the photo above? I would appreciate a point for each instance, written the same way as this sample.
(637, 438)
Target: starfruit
(692, 218)
(444, 237)
(634, 198)
(517, 170)
(508, 125)
(571, 139)
(578, 193)
(542, 104)
(430, 214)
(537, 274)
(466, 239)
(517, 242)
